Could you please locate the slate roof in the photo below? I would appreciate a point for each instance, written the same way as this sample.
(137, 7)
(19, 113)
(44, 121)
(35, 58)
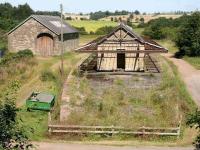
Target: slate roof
(53, 23)
(148, 43)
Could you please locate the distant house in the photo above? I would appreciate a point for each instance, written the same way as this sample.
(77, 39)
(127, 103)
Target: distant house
(42, 35)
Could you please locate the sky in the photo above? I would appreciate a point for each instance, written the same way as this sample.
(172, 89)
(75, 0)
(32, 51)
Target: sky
(86, 6)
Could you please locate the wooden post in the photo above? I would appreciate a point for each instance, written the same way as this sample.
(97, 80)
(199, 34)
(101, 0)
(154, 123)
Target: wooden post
(112, 130)
(143, 131)
(49, 122)
(179, 131)
(62, 42)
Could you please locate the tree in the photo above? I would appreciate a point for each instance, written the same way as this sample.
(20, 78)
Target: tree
(156, 28)
(22, 12)
(137, 12)
(141, 20)
(188, 39)
(11, 16)
(129, 22)
(131, 16)
(111, 19)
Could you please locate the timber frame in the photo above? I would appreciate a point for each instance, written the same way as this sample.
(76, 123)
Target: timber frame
(138, 51)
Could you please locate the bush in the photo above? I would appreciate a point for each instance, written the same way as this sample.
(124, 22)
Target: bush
(188, 37)
(193, 120)
(25, 53)
(11, 133)
(104, 30)
(16, 56)
(47, 75)
(81, 30)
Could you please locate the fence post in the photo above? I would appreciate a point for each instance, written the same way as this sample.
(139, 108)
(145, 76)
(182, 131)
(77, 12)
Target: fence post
(143, 131)
(179, 127)
(49, 122)
(112, 130)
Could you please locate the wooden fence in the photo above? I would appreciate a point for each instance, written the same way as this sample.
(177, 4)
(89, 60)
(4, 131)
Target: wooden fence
(112, 130)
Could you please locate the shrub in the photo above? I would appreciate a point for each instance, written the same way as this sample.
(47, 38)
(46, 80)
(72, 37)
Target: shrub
(188, 36)
(16, 56)
(81, 30)
(104, 30)
(11, 133)
(25, 53)
(193, 120)
(154, 29)
(47, 75)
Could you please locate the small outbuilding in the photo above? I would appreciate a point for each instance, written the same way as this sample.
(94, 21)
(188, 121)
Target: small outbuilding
(42, 35)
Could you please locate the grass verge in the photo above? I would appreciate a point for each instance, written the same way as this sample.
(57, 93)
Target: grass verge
(194, 61)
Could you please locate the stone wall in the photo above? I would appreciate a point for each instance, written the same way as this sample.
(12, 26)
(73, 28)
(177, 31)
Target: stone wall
(25, 37)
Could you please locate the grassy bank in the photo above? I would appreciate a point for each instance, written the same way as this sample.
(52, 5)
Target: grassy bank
(195, 61)
(29, 74)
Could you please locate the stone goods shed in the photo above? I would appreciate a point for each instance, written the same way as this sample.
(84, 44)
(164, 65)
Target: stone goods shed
(42, 35)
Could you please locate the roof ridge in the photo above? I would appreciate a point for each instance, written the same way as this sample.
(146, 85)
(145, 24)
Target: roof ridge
(46, 21)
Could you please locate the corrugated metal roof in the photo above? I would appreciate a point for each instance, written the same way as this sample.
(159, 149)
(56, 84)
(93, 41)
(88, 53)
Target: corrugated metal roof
(53, 23)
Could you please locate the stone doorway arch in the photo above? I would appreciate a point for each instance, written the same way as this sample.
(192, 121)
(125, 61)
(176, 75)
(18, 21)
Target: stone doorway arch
(45, 44)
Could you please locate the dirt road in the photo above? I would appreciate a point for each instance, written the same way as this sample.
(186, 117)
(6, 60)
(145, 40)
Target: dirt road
(190, 76)
(64, 146)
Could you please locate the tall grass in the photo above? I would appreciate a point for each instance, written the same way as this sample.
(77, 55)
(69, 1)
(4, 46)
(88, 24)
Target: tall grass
(195, 61)
(120, 105)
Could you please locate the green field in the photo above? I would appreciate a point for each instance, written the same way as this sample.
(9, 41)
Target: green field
(91, 25)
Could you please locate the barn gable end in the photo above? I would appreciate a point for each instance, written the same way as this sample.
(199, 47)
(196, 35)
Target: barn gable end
(40, 39)
(122, 50)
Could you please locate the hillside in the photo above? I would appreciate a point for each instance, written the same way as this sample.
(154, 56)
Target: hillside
(137, 18)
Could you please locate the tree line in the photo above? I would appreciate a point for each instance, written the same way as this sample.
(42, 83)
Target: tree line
(184, 31)
(10, 15)
(102, 14)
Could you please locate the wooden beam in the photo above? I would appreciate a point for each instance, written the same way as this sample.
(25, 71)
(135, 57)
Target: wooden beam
(153, 63)
(122, 51)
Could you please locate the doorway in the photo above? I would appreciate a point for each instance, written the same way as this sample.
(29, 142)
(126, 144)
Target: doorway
(45, 44)
(121, 61)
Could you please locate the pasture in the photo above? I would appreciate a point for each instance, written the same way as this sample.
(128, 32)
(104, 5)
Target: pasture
(91, 25)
